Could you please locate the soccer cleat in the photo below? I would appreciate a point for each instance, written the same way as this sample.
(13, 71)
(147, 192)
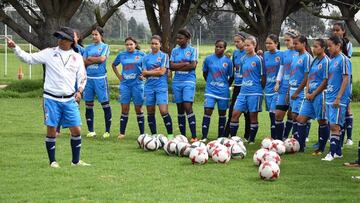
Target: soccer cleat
(203, 140)
(194, 140)
(106, 135)
(80, 163)
(121, 136)
(328, 157)
(337, 156)
(317, 153)
(349, 142)
(91, 134)
(352, 164)
(54, 164)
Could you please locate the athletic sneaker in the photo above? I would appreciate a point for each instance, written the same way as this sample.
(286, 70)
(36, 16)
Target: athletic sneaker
(54, 164)
(329, 157)
(317, 153)
(194, 140)
(352, 164)
(80, 163)
(121, 136)
(106, 135)
(245, 140)
(91, 134)
(349, 142)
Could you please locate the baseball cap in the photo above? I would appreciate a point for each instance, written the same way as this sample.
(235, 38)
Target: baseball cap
(65, 33)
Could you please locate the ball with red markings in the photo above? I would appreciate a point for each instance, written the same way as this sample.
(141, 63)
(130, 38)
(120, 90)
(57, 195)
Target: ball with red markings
(291, 145)
(269, 170)
(211, 146)
(266, 143)
(278, 146)
(258, 157)
(221, 154)
(199, 155)
(272, 156)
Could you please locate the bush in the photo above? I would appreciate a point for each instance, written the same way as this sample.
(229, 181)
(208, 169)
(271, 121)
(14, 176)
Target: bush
(356, 91)
(23, 89)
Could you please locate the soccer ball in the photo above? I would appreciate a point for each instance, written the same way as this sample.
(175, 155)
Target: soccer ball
(291, 145)
(278, 146)
(182, 149)
(269, 171)
(197, 144)
(140, 140)
(151, 143)
(221, 154)
(237, 152)
(162, 139)
(266, 143)
(237, 139)
(211, 146)
(229, 142)
(170, 147)
(259, 156)
(272, 156)
(181, 138)
(199, 155)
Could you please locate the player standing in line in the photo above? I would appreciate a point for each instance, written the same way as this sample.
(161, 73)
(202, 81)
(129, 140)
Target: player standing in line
(183, 61)
(64, 67)
(217, 70)
(313, 106)
(272, 61)
(95, 57)
(131, 83)
(239, 40)
(282, 86)
(251, 93)
(347, 49)
(154, 68)
(337, 95)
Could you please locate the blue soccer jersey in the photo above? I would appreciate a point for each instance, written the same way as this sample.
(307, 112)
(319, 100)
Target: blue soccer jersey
(96, 50)
(218, 72)
(286, 60)
(187, 54)
(272, 63)
(318, 72)
(131, 66)
(252, 69)
(299, 66)
(152, 61)
(339, 66)
(236, 58)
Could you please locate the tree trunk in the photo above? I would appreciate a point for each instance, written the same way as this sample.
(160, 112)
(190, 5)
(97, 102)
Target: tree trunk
(349, 14)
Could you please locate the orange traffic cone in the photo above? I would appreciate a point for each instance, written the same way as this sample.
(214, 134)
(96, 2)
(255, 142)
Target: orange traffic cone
(20, 73)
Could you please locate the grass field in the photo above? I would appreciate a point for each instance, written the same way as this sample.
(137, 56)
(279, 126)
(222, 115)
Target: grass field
(121, 172)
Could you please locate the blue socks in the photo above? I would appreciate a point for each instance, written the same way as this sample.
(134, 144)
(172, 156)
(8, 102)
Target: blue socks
(50, 147)
(123, 122)
(182, 123)
(324, 133)
(348, 126)
(295, 130)
(75, 143)
(253, 131)
(168, 123)
(288, 126)
(247, 125)
(308, 126)
(342, 136)
(301, 132)
(272, 125)
(141, 123)
(192, 123)
(234, 126)
(107, 115)
(152, 123)
(205, 126)
(221, 127)
(335, 145)
(279, 130)
(89, 115)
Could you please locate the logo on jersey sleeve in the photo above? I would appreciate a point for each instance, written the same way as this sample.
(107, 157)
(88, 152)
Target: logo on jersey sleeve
(137, 58)
(225, 65)
(188, 53)
(158, 59)
(319, 66)
(253, 64)
(336, 63)
(300, 61)
(277, 59)
(99, 49)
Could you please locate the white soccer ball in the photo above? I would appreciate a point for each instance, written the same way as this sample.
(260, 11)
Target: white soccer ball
(197, 144)
(278, 146)
(266, 143)
(140, 140)
(291, 145)
(241, 144)
(221, 154)
(199, 155)
(237, 152)
(269, 171)
(272, 156)
(182, 149)
(259, 156)
(222, 140)
(170, 147)
(151, 143)
(163, 140)
(237, 139)
(211, 146)
(229, 143)
(181, 138)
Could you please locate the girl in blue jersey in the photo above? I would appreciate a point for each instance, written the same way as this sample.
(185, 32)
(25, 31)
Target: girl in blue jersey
(313, 106)
(154, 68)
(183, 62)
(282, 86)
(272, 61)
(217, 70)
(337, 95)
(131, 83)
(95, 56)
(239, 40)
(251, 93)
(300, 67)
(347, 49)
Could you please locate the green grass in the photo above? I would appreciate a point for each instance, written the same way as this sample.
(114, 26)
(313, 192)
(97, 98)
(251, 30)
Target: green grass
(121, 172)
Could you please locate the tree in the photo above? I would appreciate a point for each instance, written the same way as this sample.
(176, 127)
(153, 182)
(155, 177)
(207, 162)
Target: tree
(132, 26)
(53, 14)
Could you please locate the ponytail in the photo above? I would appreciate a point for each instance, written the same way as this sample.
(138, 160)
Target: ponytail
(303, 40)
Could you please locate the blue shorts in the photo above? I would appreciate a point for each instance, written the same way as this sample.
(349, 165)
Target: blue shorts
(270, 101)
(295, 104)
(281, 100)
(248, 103)
(183, 91)
(222, 104)
(314, 109)
(156, 96)
(65, 114)
(128, 93)
(96, 87)
(335, 115)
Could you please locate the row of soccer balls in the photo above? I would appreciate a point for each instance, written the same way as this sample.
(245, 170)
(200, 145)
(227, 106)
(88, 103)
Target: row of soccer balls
(220, 150)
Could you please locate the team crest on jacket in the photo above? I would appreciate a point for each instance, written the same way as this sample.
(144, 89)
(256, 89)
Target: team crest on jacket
(300, 61)
(277, 59)
(188, 53)
(319, 66)
(99, 49)
(336, 63)
(137, 58)
(159, 59)
(253, 64)
(225, 65)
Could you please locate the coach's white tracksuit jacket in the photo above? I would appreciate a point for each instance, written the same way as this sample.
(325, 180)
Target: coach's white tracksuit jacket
(63, 70)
